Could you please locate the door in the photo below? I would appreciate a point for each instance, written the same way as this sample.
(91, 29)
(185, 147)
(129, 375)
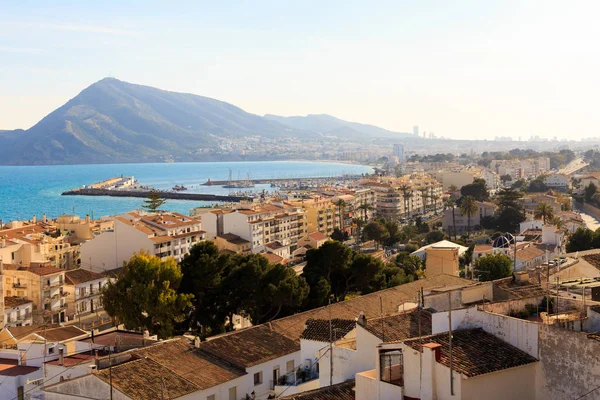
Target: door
(275, 376)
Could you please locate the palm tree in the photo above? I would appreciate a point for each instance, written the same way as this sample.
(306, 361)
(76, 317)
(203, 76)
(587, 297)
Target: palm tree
(405, 189)
(359, 223)
(424, 196)
(452, 188)
(365, 208)
(341, 204)
(434, 198)
(450, 204)
(468, 207)
(544, 211)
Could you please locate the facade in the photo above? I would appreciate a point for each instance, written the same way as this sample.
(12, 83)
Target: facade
(84, 292)
(229, 242)
(484, 209)
(43, 285)
(321, 213)
(163, 235)
(524, 168)
(270, 228)
(558, 181)
(18, 311)
(530, 203)
(440, 260)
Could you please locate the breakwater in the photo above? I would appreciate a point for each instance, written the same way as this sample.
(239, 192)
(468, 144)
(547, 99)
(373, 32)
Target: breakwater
(144, 194)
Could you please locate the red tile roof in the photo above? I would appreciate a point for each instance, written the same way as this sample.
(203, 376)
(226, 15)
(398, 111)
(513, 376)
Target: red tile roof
(400, 326)
(319, 329)
(77, 276)
(341, 391)
(9, 367)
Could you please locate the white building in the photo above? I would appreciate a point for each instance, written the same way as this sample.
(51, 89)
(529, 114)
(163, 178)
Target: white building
(164, 235)
(84, 292)
(558, 182)
(18, 311)
(399, 152)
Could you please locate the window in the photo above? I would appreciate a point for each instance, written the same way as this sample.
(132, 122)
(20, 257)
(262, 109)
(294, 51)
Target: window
(258, 378)
(233, 393)
(289, 366)
(211, 397)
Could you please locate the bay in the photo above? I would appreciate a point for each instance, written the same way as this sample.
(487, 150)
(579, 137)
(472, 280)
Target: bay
(33, 190)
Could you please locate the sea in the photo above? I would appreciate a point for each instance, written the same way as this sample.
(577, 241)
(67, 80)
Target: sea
(26, 191)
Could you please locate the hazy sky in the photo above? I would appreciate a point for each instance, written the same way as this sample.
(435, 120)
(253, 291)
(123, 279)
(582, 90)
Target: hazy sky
(463, 69)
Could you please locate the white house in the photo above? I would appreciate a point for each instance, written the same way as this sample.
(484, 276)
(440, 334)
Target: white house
(558, 181)
(18, 311)
(163, 234)
(84, 292)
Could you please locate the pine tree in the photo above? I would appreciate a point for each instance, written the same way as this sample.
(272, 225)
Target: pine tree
(154, 201)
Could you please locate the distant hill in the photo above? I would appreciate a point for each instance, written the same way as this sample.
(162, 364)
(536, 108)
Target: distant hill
(327, 124)
(115, 121)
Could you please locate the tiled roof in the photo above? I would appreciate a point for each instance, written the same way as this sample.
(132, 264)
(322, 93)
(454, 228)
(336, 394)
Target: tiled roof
(507, 288)
(273, 258)
(10, 367)
(319, 329)
(120, 339)
(44, 270)
(475, 352)
(369, 304)
(341, 391)
(77, 276)
(318, 236)
(250, 346)
(62, 333)
(400, 326)
(146, 379)
(231, 238)
(12, 302)
(179, 356)
(19, 332)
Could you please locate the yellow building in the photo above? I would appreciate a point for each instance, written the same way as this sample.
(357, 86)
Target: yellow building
(441, 260)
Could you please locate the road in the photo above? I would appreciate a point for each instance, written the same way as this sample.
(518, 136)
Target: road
(573, 166)
(590, 221)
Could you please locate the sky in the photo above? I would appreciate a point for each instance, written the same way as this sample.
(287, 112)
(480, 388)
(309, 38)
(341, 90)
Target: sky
(462, 69)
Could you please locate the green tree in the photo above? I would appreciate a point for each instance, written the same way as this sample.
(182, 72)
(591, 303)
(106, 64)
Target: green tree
(408, 263)
(544, 212)
(406, 195)
(339, 235)
(450, 203)
(153, 202)
(468, 207)
(341, 206)
(374, 230)
(477, 190)
(434, 236)
(590, 191)
(537, 185)
(145, 295)
(493, 266)
(509, 214)
(505, 178)
(582, 239)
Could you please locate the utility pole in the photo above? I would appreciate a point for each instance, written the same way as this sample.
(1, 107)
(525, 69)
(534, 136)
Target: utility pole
(450, 340)
(330, 346)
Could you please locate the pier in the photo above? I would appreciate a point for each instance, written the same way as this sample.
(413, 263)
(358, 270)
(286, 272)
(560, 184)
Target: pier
(144, 194)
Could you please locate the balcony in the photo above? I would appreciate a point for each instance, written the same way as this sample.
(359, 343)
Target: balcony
(88, 293)
(19, 285)
(298, 381)
(53, 285)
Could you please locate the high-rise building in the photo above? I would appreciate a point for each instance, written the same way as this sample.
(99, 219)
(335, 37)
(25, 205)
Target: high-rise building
(399, 152)
(416, 130)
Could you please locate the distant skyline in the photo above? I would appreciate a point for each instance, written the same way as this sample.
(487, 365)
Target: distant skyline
(464, 70)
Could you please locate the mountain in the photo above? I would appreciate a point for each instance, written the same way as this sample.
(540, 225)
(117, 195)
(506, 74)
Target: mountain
(328, 125)
(115, 121)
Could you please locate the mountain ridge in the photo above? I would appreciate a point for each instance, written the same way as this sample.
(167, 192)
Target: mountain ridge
(114, 121)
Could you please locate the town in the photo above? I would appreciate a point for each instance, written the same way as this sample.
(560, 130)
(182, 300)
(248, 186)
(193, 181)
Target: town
(432, 278)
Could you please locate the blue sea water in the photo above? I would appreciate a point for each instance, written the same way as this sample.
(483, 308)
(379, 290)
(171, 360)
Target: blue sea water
(33, 190)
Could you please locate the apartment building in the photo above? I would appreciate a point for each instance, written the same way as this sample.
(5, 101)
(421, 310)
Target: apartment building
(558, 182)
(44, 285)
(321, 213)
(270, 227)
(163, 235)
(36, 242)
(531, 202)
(84, 288)
(454, 218)
(404, 197)
(18, 311)
(524, 168)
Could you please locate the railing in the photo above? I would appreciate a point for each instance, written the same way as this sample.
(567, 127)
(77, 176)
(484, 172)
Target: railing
(53, 284)
(19, 285)
(87, 293)
(298, 377)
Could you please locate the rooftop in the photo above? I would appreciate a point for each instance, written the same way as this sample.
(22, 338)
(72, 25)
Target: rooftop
(475, 352)
(52, 333)
(400, 326)
(9, 367)
(146, 379)
(341, 391)
(231, 238)
(77, 276)
(319, 329)
(12, 302)
(251, 346)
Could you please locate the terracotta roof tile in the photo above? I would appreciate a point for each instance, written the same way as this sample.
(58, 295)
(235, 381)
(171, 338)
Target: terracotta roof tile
(12, 302)
(77, 276)
(341, 391)
(319, 329)
(250, 346)
(203, 370)
(400, 326)
(146, 379)
(475, 352)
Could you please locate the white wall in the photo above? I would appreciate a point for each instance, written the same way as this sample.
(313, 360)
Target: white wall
(518, 332)
(513, 383)
(343, 365)
(366, 349)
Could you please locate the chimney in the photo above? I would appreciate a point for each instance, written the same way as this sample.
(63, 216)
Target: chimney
(431, 355)
(146, 334)
(361, 320)
(22, 361)
(87, 218)
(196, 342)
(61, 356)
(34, 219)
